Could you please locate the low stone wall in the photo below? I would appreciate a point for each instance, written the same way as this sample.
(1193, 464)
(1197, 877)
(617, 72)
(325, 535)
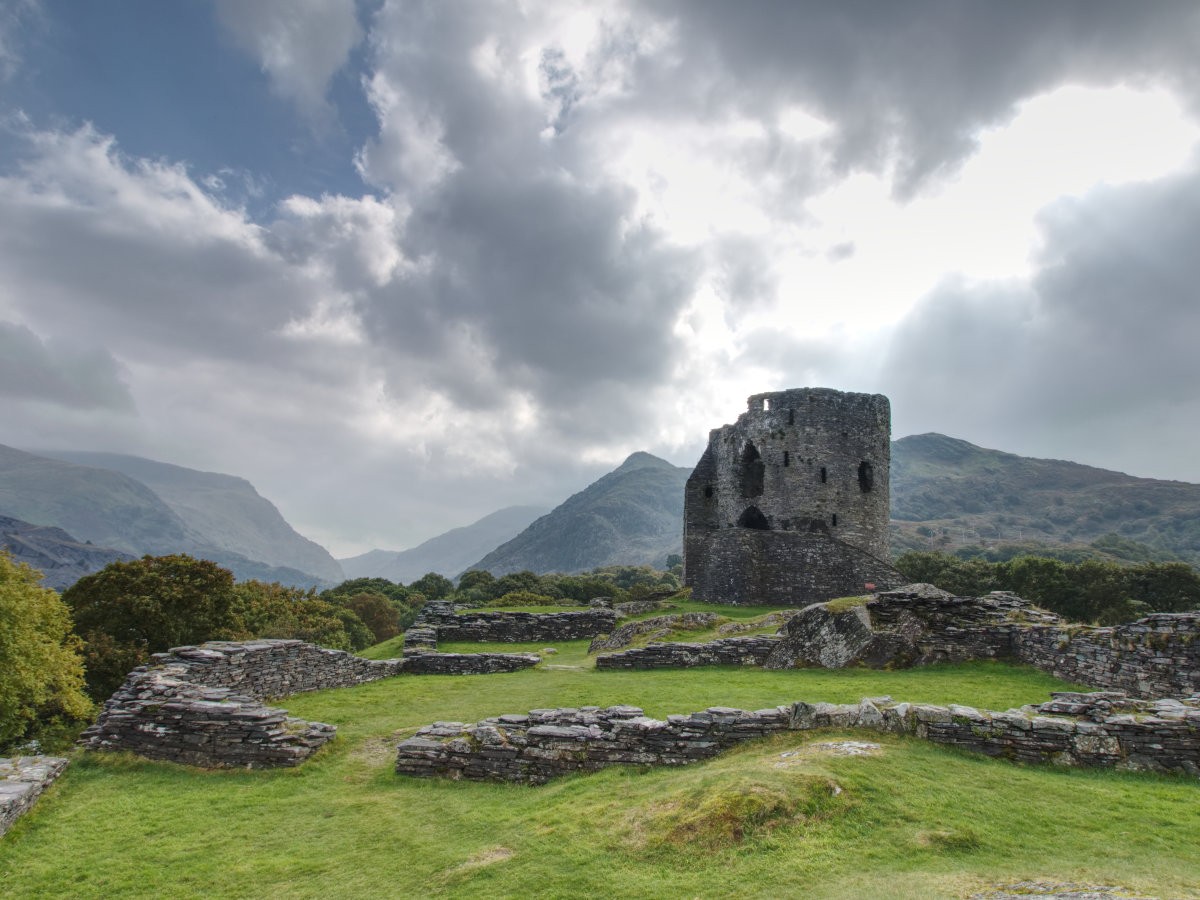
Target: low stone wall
(659, 625)
(416, 663)
(1157, 656)
(203, 705)
(22, 781)
(159, 714)
(273, 668)
(515, 627)
(734, 651)
(1105, 729)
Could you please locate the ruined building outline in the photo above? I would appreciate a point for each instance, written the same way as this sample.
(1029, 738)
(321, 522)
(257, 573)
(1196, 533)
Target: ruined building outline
(791, 503)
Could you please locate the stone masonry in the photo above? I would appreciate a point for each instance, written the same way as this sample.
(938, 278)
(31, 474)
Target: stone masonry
(22, 781)
(203, 705)
(1099, 729)
(514, 627)
(732, 651)
(790, 504)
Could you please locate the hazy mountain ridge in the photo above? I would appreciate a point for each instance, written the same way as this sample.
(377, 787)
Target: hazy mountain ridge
(207, 515)
(449, 553)
(60, 558)
(224, 512)
(631, 516)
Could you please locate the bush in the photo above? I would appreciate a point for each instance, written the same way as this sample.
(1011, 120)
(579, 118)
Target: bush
(377, 613)
(275, 611)
(128, 610)
(41, 671)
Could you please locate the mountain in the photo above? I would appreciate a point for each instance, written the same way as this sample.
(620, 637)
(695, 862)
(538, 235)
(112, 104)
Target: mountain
(633, 515)
(60, 558)
(210, 516)
(106, 508)
(447, 554)
(947, 493)
(223, 513)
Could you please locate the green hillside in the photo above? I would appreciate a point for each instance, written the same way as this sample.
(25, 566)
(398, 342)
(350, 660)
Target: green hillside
(948, 493)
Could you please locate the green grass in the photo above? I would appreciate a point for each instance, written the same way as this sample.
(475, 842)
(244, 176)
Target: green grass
(913, 821)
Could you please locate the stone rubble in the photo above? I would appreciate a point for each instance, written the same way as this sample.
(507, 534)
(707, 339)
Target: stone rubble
(450, 624)
(734, 651)
(623, 636)
(22, 781)
(1103, 729)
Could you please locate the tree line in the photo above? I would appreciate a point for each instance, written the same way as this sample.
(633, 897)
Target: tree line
(1103, 593)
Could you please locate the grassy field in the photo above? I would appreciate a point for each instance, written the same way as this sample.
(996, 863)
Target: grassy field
(911, 820)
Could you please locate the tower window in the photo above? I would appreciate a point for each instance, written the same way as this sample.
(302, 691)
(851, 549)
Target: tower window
(766, 405)
(834, 520)
(785, 458)
(824, 475)
(866, 476)
(753, 471)
(708, 491)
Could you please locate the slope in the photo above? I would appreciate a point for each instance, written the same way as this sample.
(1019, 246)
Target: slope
(447, 554)
(60, 558)
(947, 493)
(225, 514)
(631, 516)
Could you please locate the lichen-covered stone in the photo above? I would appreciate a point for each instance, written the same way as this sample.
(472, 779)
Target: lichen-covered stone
(22, 781)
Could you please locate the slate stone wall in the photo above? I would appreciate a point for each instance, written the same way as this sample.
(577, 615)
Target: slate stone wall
(22, 781)
(203, 705)
(1157, 656)
(733, 651)
(515, 627)
(659, 625)
(810, 463)
(1075, 729)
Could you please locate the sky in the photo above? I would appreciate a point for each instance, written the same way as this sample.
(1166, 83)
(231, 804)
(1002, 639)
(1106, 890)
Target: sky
(401, 264)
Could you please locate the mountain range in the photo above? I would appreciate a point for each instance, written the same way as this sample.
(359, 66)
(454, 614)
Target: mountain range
(68, 513)
(447, 554)
(138, 506)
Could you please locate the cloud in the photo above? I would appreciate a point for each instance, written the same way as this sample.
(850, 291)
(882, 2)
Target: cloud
(15, 17)
(58, 373)
(300, 44)
(1090, 356)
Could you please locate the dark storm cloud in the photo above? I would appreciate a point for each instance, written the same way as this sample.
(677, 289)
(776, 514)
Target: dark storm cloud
(1105, 332)
(917, 79)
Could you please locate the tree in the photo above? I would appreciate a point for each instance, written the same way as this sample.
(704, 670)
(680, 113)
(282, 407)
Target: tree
(276, 611)
(128, 610)
(433, 586)
(41, 671)
(376, 612)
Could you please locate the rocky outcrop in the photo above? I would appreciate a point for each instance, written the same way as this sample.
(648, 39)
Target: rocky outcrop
(22, 781)
(60, 558)
(1104, 729)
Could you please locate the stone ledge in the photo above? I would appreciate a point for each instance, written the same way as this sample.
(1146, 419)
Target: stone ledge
(22, 781)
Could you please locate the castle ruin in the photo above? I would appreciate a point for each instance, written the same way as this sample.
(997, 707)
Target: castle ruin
(790, 504)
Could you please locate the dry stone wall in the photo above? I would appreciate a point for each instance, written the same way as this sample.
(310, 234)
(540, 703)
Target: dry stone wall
(203, 705)
(734, 651)
(657, 626)
(1101, 729)
(515, 627)
(22, 781)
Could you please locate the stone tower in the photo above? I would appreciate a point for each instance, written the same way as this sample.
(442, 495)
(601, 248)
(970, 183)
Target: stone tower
(790, 504)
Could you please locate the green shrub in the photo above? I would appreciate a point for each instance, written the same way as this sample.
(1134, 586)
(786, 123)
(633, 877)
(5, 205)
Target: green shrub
(524, 598)
(41, 671)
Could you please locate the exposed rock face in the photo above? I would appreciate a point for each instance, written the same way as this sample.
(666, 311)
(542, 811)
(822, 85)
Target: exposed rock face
(22, 780)
(789, 505)
(1105, 729)
(818, 637)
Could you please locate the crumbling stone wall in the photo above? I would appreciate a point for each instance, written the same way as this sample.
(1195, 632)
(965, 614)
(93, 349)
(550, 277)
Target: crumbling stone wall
(791, 503)
(657, 626)
(1156, 656)
(732, 651)
(514, 627)
(203, 705)
(1103, 729)
(22, 781)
